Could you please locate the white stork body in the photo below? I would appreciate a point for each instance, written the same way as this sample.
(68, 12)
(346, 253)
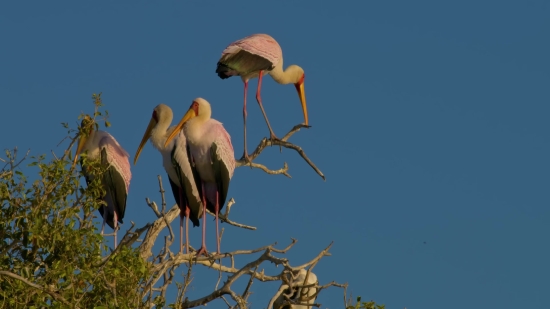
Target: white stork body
(213, 157)
(116, 180)
(176, 163)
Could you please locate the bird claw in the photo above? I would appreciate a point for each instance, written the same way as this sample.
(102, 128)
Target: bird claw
(274, 138)
(246, 159)
(202, 251)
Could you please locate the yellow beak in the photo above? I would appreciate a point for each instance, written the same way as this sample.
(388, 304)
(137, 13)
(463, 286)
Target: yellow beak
(146, 136)
(190, 114)
(302, 94)
(81, 143)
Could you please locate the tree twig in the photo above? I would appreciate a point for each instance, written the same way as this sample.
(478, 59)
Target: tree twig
(284, 143)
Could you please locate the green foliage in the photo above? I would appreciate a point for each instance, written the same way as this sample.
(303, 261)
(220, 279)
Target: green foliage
(51, 253)
(364, 305)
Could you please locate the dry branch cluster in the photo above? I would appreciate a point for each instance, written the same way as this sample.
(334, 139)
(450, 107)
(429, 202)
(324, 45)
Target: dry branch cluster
(299, 286)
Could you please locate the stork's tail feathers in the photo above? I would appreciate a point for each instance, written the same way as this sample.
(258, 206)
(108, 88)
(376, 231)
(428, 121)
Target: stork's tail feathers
(195, 221)
(224, 71)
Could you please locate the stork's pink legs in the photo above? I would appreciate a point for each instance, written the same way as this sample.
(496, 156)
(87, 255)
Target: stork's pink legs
(245, 154)
(217, 210)
(202, 249)
(116, 224)
(184, 211)
(105, 220)
(187, 213)
(259, 99)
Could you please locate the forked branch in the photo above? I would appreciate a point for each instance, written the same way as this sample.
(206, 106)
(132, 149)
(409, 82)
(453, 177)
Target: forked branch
(283, 142)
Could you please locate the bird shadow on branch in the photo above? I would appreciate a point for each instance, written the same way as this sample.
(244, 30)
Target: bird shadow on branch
(283, 142)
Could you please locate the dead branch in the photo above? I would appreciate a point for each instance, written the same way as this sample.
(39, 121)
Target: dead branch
(250, 269)
(156, 227)
(224, 217)
(283, 143)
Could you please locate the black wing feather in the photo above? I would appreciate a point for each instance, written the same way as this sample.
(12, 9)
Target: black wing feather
(194, 213)
(221, 174)
(114, 185)
(242, 63)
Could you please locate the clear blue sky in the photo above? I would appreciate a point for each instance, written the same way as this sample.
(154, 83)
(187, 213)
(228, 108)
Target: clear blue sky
(430, 121)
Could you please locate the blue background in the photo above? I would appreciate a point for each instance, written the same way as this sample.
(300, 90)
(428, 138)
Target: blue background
(429, 119)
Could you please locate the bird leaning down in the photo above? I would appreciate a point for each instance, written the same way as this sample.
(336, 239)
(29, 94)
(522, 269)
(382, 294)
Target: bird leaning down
(176, 163)
(212, 157)
(255, 56)
(115, 180)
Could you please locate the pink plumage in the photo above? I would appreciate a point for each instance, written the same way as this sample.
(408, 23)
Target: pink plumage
(117, 157)
(213, 159)
(116, 179)
(260, 44)
(254, 56)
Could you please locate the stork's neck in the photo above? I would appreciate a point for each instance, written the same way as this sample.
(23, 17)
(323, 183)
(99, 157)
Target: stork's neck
(291, 75)
(92, 143)
(160, 132)
(194, 129)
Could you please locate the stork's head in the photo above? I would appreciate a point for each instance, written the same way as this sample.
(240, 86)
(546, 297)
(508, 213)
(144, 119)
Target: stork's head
(161, 113)
(200, 108)
(87, 126)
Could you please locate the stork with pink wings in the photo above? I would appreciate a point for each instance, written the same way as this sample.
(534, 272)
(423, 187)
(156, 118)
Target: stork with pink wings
(255, 56)
(176, 163)
(212, 157)
(116, 179)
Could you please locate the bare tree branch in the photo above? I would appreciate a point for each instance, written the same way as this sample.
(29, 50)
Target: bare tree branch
(224, 217)
(284, 143)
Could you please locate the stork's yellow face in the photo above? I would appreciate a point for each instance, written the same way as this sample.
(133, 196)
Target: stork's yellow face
(191, 113)
(152, 124)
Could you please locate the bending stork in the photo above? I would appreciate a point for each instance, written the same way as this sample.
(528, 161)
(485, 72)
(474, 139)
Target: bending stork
(255, 56)
(176, 163)
(116, 179)
(212, 156)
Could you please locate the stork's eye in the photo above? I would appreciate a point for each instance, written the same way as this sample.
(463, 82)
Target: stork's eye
(155, 116)
(195, 107)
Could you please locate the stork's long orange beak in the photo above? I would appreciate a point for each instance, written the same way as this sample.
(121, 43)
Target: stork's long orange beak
(81, 143)
(190, 114)
(302, 94)
(145, 137)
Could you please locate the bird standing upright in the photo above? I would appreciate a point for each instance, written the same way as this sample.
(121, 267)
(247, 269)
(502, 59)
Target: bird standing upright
(212, 156)
(176, 163)
(116, 179)
(254, 56)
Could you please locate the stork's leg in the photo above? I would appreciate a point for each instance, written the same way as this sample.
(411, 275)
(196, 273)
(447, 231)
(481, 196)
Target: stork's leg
(202, 249)
(116, 225)
(182, 209)
(245, 154)
(187, 213)
(217, 210)
(259, 99)
(181, 233)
